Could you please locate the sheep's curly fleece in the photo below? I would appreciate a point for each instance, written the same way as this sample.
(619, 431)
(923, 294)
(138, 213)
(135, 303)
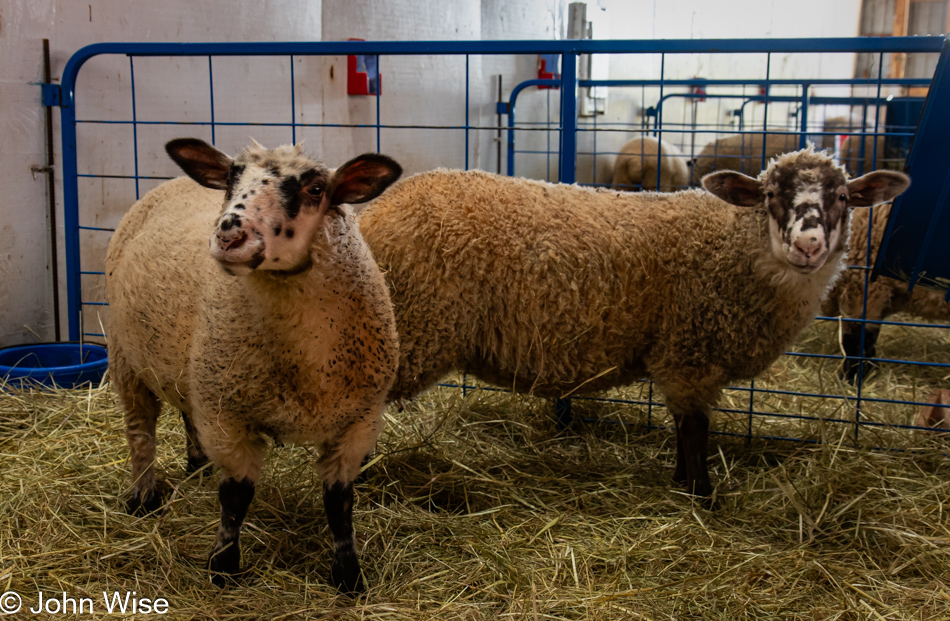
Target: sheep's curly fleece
(552, 289)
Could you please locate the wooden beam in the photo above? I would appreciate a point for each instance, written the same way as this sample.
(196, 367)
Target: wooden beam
(901, 19)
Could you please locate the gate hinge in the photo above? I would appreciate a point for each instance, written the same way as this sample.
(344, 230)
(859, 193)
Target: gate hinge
(52, 95)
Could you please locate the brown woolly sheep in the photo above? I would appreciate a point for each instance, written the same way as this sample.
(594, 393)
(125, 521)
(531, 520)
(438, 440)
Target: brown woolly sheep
(556, 289)
(838, 125)
(741, 152)
(636, 166)
(886, 296)
(858, 162)
(284, 329)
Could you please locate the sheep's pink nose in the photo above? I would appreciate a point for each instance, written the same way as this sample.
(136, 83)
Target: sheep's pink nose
(808, 246)
(231, 240)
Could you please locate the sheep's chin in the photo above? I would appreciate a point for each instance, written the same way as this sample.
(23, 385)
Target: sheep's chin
(239, 268)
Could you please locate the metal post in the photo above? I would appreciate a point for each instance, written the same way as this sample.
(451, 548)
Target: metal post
(568, 164)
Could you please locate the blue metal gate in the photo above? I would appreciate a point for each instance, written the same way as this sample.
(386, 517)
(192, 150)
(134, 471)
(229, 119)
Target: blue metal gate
(570, 131)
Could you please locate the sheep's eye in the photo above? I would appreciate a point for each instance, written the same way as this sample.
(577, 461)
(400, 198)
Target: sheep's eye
(315, 190)
(842, 197)
(770, 194)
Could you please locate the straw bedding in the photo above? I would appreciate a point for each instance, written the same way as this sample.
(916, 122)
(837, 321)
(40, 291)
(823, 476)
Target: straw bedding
(478, 507)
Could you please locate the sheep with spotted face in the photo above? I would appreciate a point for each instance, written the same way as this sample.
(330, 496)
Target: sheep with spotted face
(556, 289)
(284, 329)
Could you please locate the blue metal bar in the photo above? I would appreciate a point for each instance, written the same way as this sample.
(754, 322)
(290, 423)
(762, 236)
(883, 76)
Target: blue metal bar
(379, 97)
(71, 212)
(765, 112)
(95, 228)
(92, 273)
(279, 124)
(135, 129)
(211, 92)
(564, 46)
(467, 106)
(659, 125)
(568, 162)
(803, 121)
(293, 103)
(775, 82)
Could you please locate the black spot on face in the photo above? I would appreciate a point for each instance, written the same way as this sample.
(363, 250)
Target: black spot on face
(239, 206)
(255, 261)
(234, 176)
(289, 233)
(230, 221)
(290, 193)
(277, 229)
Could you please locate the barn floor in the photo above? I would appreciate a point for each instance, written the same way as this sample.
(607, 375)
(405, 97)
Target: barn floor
(479, 508)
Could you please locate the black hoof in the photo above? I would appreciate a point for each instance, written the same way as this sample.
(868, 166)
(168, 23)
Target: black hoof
(850, 371)
(345, 576)
(149, 502)
(195, 464)
(224, 564)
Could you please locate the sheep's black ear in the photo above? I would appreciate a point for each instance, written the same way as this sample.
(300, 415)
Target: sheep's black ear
(734, 188)
(201, 162)
(363, 178)
(876, 187)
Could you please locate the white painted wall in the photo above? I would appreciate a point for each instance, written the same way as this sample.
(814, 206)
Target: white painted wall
(417, 90)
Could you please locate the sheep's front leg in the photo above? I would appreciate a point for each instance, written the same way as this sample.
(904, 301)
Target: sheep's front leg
(692, 436)
(338, 503)
(851, 342)
(690, 395)
(339, 466)
(240, 470)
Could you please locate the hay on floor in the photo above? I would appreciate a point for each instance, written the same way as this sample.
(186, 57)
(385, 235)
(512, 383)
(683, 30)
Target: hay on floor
(479, 507)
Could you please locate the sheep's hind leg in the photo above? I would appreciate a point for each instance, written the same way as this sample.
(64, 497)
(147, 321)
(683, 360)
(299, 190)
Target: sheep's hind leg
(851, 342)
(196, 455)
(240, 470)
(142, 408)
(339, 466)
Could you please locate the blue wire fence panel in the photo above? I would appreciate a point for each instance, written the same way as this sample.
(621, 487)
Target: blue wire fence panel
(133, 97)
(914, 248)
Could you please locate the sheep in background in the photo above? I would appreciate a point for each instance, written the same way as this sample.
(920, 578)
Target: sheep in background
(936, 415)
(554, 289)
(285, 329)
(886, 296)
(858, 162)
(836, 125)
(742, 153)
(636, 166)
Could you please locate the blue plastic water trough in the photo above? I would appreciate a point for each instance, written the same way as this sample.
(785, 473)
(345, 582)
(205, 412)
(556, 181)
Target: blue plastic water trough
(63, 365)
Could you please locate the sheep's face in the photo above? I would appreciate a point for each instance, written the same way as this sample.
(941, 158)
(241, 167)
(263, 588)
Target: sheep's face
(808, 198)
(276, 200)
